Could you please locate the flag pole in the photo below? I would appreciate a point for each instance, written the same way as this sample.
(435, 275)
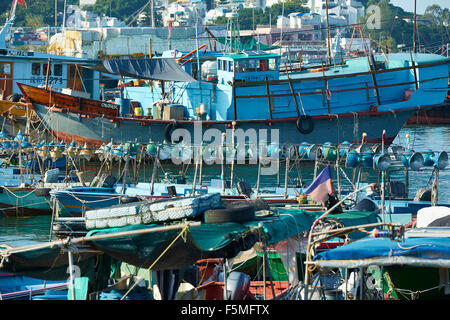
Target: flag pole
(13, 9)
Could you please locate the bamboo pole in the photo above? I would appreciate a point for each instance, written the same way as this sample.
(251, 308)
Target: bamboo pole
(67, 241)
(293, 94)
(196, 158)
(49, 66)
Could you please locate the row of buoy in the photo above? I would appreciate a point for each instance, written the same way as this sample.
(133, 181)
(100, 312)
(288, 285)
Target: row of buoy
(348, 154)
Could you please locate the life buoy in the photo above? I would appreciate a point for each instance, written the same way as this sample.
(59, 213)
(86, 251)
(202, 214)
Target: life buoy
(168, 131)
(301, 124)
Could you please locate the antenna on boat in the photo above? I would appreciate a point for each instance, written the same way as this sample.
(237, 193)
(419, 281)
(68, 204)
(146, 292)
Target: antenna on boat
(64, 15)
(233, 43)
(281, 31)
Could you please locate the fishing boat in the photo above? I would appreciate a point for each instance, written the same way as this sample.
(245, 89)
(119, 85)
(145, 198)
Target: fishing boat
(40, 69)
(18, 287)
(249, 92)
(25, 181)
(409, 268)
(439, 115)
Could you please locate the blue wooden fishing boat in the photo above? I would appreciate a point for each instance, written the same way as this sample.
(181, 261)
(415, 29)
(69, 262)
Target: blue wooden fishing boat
(333, 103)
(19, 287)
(409, 268)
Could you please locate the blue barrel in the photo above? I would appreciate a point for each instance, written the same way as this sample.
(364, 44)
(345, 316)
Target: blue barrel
(124, 106)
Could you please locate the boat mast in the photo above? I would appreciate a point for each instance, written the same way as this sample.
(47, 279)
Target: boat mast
(414, 28)
(328, 34)
(56, 13)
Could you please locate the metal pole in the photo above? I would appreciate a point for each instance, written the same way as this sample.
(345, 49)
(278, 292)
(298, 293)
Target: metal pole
(259, 172)
(221, 150)
(286, 178)
(225, 270)
(124, 180)
(72, 280)
(155, 167)
(233, 154)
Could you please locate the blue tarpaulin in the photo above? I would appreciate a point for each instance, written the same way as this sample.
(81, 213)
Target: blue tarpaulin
(418, 251)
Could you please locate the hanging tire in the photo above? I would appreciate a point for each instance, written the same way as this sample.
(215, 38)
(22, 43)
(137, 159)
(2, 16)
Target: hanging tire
(128, 199)
(42, 192)
(14, 97)
(305, 124)
(244, 188)
(169, 129)
(234, 214)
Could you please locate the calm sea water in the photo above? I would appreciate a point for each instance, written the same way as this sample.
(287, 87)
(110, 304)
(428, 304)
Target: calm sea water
(22, 231)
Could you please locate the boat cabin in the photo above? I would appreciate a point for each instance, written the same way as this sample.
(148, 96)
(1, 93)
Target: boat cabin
(248, 66)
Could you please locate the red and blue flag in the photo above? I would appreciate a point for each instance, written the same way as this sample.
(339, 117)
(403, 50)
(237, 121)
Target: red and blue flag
(321, 187)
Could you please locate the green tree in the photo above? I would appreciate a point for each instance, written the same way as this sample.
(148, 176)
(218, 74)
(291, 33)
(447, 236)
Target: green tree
(40, 8)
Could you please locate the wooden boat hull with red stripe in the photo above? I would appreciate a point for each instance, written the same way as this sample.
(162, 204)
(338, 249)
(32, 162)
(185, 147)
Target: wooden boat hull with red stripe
(67, 102)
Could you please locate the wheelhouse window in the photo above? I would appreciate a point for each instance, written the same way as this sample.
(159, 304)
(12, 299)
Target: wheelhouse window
(272, 64)
(5, 68)
(57, 69)
(263, 64)
(44, 70)
(251, 67)
(36, 69)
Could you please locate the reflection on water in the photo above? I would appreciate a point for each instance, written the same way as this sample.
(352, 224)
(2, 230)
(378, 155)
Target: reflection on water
(434, 138)
(21, 231)
(24, 230)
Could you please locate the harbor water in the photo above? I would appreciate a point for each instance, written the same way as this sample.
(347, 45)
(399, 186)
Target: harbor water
(26, 230)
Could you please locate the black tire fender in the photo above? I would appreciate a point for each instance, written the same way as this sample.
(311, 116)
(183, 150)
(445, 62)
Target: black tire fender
(14, 97)
(233, 214)
(305, 120)
(168, 131)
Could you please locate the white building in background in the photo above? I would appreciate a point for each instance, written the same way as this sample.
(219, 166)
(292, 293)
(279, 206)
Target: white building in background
(97, 43)
(81, 19)
(87, 2)
(301, 19)
(351, 10)
(213, 14)
(184, 13)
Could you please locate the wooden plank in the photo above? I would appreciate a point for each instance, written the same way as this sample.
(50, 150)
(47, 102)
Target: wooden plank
(269, 99)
